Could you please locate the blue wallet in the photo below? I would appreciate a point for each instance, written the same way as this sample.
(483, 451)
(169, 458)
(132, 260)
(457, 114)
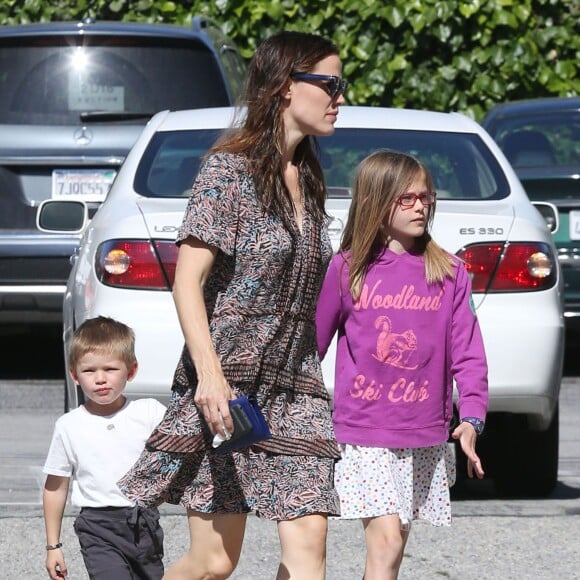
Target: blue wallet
(249, 425)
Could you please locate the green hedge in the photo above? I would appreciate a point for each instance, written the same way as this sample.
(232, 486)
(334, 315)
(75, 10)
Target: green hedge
(464, 55)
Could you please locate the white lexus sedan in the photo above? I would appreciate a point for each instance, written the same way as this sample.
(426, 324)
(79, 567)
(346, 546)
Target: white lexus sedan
(126, 262)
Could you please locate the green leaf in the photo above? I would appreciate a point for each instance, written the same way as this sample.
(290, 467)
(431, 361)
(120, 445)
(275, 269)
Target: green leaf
(417, 22)
(394, 15)
(462, 63)
(360, 53)
(468, 9)
(448, 73)
(442, 32)
(168, 7)
(116, 5)
(397, 63)
(506, 18)
(274, 9)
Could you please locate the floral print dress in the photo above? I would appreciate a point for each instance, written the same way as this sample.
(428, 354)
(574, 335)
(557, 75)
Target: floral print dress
(260, 299)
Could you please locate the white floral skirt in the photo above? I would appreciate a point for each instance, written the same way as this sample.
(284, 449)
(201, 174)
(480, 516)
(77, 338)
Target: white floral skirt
(413, 483)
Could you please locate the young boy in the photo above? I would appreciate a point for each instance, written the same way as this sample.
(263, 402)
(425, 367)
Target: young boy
(94, 446)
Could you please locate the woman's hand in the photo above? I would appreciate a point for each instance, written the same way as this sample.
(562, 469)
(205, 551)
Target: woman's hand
(467, 436)
(212, 398)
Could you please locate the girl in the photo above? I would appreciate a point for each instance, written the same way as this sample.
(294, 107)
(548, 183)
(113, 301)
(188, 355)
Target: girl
(252, 256)
(406, 329)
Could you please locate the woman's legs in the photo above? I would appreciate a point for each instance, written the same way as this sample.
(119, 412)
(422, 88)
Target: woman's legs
(385, 546)
(214, 549)
(303, 545)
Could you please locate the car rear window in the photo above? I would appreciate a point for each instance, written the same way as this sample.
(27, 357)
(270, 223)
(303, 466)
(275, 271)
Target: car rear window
(171, 162)
(461, 164)
(544, 140)
(54, 80)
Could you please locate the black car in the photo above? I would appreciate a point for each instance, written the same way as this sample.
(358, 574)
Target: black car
(541, 139)
(74, 97)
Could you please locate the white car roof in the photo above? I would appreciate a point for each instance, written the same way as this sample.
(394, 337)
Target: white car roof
(348, 116)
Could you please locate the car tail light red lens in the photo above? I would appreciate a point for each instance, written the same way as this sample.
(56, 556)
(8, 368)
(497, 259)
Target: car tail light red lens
(510, 267)
(137, 264)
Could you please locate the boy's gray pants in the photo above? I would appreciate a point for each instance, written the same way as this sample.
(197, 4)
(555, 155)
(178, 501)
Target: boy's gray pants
(119, 543)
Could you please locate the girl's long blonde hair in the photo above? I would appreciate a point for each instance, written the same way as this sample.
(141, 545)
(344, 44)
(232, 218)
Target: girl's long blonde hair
(379, 180)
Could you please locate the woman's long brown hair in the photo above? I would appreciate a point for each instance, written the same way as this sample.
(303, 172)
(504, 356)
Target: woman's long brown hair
(379, 180)
(261, 135)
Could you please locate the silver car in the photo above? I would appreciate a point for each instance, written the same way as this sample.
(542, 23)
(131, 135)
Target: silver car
(74, 97)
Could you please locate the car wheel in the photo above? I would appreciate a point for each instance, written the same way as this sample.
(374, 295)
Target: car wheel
(525, 462)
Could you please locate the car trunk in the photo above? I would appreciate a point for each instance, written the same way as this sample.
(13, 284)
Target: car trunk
(457, 224)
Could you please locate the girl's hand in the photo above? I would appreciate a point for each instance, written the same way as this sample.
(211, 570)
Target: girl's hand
(55, 565)
(467, 436)
(211, 397)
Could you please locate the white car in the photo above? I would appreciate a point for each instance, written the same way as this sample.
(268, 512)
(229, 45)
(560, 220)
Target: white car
(126, 262)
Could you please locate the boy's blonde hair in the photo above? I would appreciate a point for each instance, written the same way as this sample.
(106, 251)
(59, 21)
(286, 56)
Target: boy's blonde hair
(379, 180)
(103, 335)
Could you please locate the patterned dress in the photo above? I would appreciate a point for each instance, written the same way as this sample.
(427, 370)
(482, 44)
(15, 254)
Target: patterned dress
(260, 299)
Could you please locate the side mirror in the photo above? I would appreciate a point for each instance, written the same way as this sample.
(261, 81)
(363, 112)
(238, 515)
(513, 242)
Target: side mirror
(550, 214)
(64, 217)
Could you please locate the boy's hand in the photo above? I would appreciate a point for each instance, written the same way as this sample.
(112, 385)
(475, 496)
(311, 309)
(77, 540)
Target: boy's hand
(467, 436)
(55, 565)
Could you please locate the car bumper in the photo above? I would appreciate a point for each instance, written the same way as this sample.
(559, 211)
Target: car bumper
(524, 343)
(572, 312)
(31, 304)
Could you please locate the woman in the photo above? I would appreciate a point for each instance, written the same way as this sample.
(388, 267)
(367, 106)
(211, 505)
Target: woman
(252, 256)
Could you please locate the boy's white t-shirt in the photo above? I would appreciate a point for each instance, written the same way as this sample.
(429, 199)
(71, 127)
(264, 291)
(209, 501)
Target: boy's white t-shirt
(97, 451)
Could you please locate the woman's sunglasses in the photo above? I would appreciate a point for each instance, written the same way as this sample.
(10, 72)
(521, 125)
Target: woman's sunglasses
(333, 85)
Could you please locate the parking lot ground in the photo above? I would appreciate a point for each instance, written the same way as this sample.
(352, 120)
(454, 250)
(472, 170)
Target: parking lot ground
(490, 538)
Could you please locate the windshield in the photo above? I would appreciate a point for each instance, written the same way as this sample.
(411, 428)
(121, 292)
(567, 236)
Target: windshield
(461, 164)
(56, 81)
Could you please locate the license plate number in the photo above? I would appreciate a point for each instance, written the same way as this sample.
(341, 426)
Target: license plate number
(83, 184)
(574, 225)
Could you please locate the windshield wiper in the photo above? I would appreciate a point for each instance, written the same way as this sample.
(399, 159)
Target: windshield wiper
(108, 116)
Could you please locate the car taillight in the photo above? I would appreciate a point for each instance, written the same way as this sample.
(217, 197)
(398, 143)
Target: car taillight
(137, 264)
(510, 267)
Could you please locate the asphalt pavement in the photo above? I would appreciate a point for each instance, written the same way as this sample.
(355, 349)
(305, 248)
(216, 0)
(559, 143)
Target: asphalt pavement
(490, 538)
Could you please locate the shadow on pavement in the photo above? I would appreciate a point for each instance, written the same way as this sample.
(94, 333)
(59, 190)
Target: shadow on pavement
(469, 489)
(564, 491)
(31, 352)
(466, 490)
(572, 354)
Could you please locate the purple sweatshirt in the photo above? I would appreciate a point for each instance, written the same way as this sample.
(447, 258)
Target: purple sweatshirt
(399, 348)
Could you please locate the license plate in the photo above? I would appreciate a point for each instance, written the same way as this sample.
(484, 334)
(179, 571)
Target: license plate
(574, 225)
(83, 184)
